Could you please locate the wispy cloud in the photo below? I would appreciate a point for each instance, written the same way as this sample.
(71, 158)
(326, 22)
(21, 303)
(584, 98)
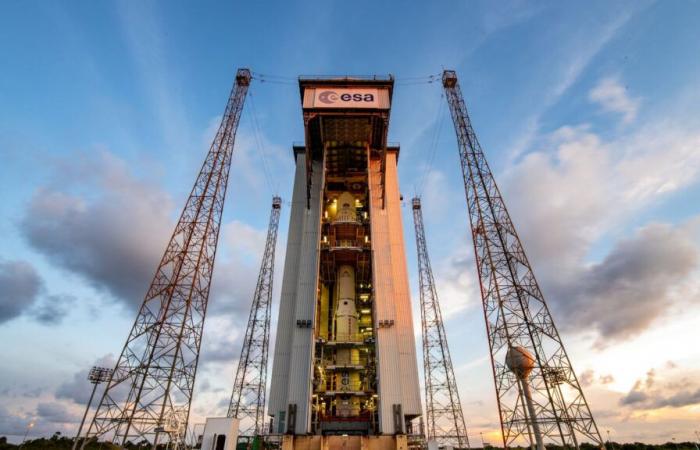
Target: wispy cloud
(622, 177)
(147, 45)
(579, 57)
(612, 96)
(651, 393)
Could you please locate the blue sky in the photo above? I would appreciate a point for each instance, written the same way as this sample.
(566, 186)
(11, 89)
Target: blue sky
(588, 113)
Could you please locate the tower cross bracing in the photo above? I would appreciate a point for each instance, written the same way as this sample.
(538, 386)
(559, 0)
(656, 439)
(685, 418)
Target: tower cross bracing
(444, 417)
(539, 396)
(248, 397)
(149, 394)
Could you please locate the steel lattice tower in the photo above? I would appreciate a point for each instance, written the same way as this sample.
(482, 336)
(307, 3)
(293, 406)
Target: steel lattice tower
(539, 396)
(150, 391)
(444, 411)
(248, 397)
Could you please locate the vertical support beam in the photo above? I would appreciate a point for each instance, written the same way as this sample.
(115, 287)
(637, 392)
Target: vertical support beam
(517, 317)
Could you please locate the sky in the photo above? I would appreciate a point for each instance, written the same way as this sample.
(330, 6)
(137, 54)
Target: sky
(588, 113)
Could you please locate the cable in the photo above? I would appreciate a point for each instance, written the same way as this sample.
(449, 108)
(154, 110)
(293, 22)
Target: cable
(268, 81)
(411, 81)
(292, 80)
(432, 151)
(415, 83)
(282, 77)
(261, 148)
(258, 140)
(274, 79)
(401, 81)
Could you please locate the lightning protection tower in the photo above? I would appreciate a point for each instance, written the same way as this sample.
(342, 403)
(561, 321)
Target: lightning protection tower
(539, 396)
(444, 411)
(248, 397)
(151, 386)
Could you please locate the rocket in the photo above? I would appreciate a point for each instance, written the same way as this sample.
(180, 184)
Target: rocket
(346, 323)
(346, 211)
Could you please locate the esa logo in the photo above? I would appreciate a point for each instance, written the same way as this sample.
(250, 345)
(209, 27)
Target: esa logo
(330, 97)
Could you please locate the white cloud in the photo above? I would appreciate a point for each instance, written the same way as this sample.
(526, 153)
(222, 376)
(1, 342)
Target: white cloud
(577, 57)
(20, 285)
(243, 239)
(147, 44)
(564, 201)
(101, 222)
(660, 159)
(456, 283)
(553, 214)
(612, 96)
(632, 287)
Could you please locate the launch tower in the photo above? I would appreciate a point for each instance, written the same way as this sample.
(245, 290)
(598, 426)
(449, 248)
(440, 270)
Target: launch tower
(345, 356)
(149, 392)
(540, 400)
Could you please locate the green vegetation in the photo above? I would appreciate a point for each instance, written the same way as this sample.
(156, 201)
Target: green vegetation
(615, 446)
(58, 442)
(55, 442)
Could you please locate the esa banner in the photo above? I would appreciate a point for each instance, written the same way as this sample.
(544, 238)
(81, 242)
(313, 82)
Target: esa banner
(373, 98)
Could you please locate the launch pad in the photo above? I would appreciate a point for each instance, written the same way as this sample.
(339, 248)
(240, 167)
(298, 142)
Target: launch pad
(345, 442)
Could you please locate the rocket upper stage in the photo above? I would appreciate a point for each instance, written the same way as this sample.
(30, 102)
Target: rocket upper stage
(346, 312)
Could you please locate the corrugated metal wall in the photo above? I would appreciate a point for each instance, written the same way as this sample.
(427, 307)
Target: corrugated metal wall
(301, 358)
(286, 322)
(291, 369)
(396, 349)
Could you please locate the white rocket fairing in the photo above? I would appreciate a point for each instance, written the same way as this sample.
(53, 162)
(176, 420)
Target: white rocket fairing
(346, 208)
(346, 326)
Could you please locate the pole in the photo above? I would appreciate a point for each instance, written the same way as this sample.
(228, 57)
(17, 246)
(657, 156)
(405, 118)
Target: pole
(87, 408)
(531, 413)
(26, 433)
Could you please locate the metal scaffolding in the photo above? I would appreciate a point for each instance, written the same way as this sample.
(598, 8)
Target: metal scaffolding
(248, 397)
(445, 420)
(150, 391)
(539, 397)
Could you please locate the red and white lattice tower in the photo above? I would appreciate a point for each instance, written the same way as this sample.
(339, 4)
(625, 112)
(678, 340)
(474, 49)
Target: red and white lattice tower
(151, 386)
(539, 397)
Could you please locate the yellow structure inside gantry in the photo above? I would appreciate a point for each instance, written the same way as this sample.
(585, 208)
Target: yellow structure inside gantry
(342, 387)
